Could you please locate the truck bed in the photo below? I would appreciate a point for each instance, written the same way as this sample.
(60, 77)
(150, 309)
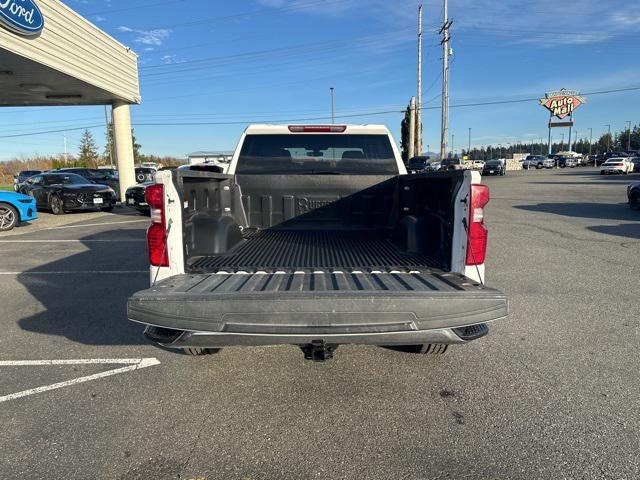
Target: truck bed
(291, 250)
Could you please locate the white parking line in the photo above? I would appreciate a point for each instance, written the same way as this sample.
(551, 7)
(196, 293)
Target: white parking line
(132, 365)
(98, 224)
(77, 272)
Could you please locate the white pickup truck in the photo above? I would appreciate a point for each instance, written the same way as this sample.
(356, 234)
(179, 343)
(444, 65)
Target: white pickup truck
(316, 236)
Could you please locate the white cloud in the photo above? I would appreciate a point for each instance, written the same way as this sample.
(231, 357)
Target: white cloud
(153, 38)
(99, 19)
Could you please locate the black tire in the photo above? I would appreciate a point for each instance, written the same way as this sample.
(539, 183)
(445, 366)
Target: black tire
(140, 177)
(601, 172)
(9, 217)
(634, 202)
(198, 351)
(107, 209)
(426, 349)
(539, 166)
(56, 205)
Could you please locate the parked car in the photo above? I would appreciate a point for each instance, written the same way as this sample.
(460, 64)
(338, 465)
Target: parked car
(62, 192)
(22, 177)
(145, 174)
(617, 165)
(16, 208)
(101, 176)
(533, 161)
(452, 164)
(316, 251)
(564, 162)
(636, 164)
(633, 193)
(477, 164)
(609, 155)
(418, 164)
(549, 162)
(494, 167)
(135, 197)
(434, 167)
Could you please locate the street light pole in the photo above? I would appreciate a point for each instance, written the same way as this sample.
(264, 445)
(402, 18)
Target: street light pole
(590, 139)
(333, 106)
(469, 151)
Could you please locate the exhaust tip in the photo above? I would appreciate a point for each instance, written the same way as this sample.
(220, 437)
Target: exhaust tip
(162, 335)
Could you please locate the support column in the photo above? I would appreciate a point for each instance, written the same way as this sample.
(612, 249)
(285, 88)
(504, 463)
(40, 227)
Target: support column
(123, 141)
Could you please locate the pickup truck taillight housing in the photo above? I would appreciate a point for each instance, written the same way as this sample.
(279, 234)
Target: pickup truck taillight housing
(478, 234)
(157, 233)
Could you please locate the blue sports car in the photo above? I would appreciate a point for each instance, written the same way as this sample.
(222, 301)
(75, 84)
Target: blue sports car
(16, 208)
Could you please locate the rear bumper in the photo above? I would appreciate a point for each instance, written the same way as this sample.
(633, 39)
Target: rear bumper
(191, 313)
(184, 339)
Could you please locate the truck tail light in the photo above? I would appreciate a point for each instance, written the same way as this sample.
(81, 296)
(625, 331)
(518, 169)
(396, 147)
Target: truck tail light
(157, 233)
(478, 234)
(317, 128)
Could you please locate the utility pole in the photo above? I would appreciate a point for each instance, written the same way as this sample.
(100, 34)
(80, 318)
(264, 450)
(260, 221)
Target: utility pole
(418, 126)
(412, 129)
(629, 141)
(562, 143)
(333, 105)
(444, 134)
(608, 137)
(590, 140)
(469, 150)
(66, 155)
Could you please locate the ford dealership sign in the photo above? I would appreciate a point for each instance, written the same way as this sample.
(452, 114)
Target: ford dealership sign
(21, 16)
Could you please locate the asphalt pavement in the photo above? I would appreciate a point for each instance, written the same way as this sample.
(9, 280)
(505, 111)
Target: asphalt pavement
(552, 392)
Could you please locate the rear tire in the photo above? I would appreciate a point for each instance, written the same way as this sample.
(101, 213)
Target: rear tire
(634, 202)
(198, 351)
(8, 217)
(56, 205)
(426, 349)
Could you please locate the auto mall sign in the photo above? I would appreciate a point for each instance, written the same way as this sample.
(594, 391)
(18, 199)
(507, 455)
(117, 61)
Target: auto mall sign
(563, 102)
(21, 16)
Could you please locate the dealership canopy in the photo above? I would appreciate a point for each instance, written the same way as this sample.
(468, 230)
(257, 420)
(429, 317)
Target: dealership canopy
(50, 55)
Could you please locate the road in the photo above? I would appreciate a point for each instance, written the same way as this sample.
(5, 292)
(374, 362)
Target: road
(552, 392)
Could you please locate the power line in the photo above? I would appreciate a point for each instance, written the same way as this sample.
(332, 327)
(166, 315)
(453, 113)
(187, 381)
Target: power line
(399, 110)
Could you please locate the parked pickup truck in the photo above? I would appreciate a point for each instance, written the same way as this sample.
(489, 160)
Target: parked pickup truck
(316, 236)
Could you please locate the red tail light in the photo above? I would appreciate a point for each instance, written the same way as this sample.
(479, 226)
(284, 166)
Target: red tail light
(157, 233)
(478, 234)
(317, 128)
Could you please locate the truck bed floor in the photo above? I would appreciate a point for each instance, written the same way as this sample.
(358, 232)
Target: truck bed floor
(307, 249)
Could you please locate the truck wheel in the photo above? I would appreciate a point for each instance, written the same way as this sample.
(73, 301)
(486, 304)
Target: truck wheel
(426, 349)
(198, 351)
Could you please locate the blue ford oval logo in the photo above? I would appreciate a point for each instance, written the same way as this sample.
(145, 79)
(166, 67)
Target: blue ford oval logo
(21, 16)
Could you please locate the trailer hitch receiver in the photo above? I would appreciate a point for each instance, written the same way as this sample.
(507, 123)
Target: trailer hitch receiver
(318, 351)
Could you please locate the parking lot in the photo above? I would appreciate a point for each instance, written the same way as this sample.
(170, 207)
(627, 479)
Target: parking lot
(552, 392)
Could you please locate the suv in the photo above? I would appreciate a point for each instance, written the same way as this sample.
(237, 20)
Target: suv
(418, 164)
(23, 176)
(535, 161)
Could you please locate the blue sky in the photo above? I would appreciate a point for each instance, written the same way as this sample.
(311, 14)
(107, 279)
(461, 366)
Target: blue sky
(214, 61)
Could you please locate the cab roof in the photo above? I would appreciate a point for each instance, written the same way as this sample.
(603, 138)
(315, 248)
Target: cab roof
(285, 130)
